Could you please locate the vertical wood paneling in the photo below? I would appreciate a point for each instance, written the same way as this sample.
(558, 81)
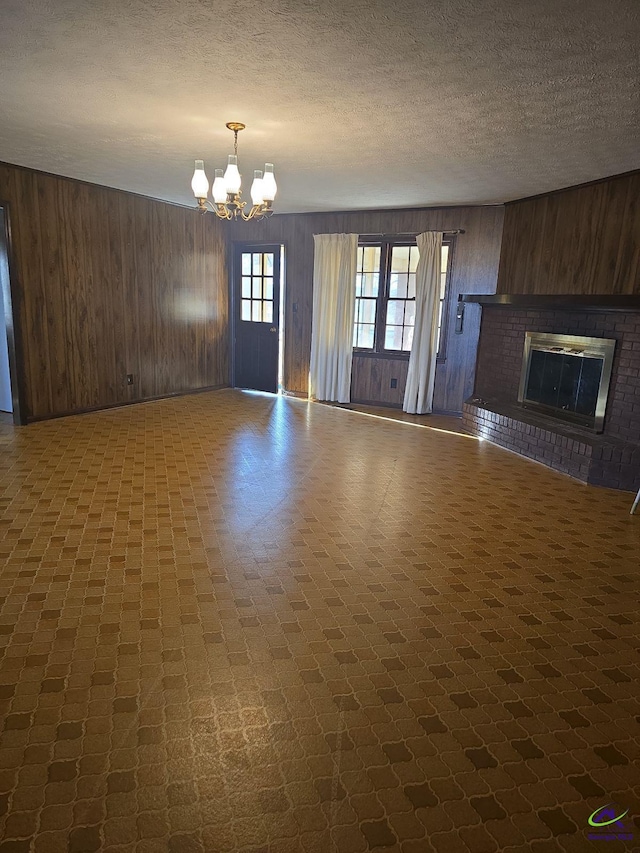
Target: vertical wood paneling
(32, 314)
(474, 271)
(581, 240)
(110, 283)
(54, 294)
(371, 380)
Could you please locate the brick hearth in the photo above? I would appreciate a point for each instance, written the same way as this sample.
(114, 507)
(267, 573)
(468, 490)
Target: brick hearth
(611, 458)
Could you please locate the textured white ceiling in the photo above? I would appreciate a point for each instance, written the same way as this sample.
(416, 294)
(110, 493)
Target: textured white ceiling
(359, 104)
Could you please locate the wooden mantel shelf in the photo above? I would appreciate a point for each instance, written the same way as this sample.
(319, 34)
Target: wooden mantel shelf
(560, 301)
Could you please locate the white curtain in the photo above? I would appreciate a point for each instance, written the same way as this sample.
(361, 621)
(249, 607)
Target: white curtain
(418, 395)
(334, 299)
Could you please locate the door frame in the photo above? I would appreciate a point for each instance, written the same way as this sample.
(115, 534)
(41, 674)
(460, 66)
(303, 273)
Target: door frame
(11, 298)
(233, 259)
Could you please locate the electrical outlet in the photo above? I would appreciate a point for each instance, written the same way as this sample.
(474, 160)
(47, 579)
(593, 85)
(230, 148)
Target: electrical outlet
(129, 378)
(394, 383)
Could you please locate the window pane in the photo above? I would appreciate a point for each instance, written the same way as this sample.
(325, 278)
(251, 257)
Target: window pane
(365, 335)
(411, 291)
(267, 312)
(443, 284)
(246, 287)
(395, 312)
(246, 263)
(444, 257)
(257, 264)
(257, 288)
(246, 310)
(256, 312)
(371, 258)
(370, 284)
(367, 311)
(410, 314)
(268, 263)
(268, 288)
(358, 284)
(400, 259)
(414, 257)
(407, 339)
(398, 285)
(439, 326)
(393, 337)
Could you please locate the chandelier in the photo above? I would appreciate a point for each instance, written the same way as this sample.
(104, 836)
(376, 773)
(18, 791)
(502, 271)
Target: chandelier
(227, 203)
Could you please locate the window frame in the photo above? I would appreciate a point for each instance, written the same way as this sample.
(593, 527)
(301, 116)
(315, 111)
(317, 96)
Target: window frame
(386, 243)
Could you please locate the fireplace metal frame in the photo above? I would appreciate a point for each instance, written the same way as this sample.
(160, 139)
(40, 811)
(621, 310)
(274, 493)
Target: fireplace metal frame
(602, 348)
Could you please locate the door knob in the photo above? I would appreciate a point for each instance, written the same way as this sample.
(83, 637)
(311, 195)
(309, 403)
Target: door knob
(273, 329)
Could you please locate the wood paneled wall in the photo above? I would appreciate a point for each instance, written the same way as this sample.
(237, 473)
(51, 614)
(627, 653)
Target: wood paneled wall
(475, 268)
(581, 240)
(371, 380)
(105, 284)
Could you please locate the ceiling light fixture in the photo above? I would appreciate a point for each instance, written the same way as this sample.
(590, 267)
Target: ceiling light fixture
(227, 203)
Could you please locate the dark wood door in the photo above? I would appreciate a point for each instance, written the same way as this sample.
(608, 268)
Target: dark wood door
(256, 297)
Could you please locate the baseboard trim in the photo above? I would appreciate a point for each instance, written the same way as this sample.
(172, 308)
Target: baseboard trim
(125, 403)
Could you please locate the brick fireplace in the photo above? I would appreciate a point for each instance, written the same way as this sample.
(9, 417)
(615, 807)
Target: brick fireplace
(607, 458)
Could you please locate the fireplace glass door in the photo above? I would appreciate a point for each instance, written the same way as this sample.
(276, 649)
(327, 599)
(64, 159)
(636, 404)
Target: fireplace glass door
(567, 377)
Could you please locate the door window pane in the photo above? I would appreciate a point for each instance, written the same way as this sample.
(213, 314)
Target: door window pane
(257, 287)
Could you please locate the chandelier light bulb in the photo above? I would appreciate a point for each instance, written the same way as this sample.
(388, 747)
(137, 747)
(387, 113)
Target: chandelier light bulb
(219, 188)
(257, 196)
(200, 182)
(269, 186)
(232, 177)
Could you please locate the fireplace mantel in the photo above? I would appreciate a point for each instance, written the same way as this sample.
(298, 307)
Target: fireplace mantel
(558, 301)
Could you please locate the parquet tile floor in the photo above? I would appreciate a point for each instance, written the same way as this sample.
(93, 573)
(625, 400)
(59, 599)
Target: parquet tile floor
(232, 622)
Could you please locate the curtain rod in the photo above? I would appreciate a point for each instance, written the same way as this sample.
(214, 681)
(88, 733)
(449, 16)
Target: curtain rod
(415, 233)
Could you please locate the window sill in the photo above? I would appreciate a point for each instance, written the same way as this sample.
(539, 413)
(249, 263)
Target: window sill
(390, 356)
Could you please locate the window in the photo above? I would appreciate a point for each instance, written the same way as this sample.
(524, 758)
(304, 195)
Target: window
(385, 311)
(257, 287)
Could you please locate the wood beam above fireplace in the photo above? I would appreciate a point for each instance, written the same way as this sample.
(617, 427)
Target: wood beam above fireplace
(561, 301)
